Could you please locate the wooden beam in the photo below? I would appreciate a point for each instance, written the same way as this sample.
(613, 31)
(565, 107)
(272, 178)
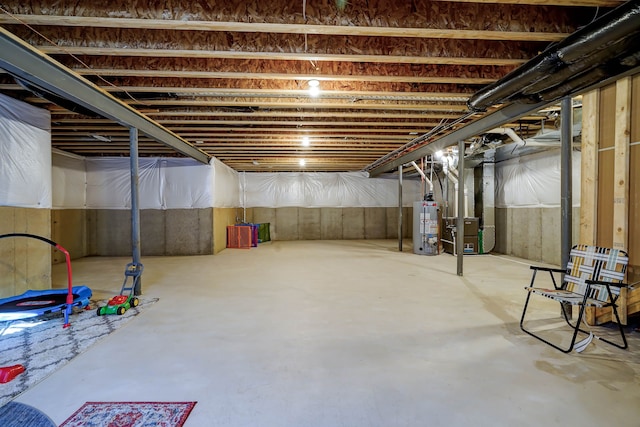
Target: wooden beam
(286, 93)
(276, 56)
(189, 131)
(294, 124)
(621, 178)
(258, 139)
(269, 28)
(293, 114)
(621, 164)
(589, 167)
(281, 93)
(111, 72)
(304, 104)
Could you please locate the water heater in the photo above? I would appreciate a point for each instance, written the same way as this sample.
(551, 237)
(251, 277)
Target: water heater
(425, 228)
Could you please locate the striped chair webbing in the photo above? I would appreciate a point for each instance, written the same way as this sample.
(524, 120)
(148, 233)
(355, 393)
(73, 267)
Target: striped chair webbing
(595, 263)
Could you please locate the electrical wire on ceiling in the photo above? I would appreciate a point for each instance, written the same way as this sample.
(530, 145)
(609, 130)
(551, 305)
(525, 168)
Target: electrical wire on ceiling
(81, 62)
(441, 127)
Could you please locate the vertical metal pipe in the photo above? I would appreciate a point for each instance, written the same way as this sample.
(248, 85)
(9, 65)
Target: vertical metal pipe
(445, 196)
(566, 143)
(566, 139)
(460, 221)
(244, 197)
(135, 210)
(400, 208)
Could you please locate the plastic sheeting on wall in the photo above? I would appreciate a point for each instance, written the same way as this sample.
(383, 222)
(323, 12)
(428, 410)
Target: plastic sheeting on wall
(165, 183)
(315, 189)
(69, 181)
(534, 181)
(25, 155)
(226, 186)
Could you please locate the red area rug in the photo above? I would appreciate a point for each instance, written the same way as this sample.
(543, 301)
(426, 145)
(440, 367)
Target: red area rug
(130, 414)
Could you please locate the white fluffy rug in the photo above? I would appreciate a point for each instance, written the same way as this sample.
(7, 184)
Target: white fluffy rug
(42, 345)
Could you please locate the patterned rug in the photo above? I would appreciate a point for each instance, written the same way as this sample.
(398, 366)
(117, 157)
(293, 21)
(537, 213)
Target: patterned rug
(42, 345)
(130, 414)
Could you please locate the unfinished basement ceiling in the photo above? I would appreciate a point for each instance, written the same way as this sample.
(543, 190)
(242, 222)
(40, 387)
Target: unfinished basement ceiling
(232, 78)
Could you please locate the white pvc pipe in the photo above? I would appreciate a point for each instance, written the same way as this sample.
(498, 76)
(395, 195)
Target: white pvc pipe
(422, 174)
(510, 133)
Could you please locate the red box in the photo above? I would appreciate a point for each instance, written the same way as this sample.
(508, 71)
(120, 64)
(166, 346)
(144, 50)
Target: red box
(239, 236)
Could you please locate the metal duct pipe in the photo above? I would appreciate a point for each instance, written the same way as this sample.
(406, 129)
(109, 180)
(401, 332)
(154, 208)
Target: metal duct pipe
(608, 44)
(602, 61)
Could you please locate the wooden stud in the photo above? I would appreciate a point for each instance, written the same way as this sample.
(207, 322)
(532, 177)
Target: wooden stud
(621, 163)
(621, 177)
(589, 167)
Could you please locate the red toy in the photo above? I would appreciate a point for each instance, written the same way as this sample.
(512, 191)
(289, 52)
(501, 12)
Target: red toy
(8, 373)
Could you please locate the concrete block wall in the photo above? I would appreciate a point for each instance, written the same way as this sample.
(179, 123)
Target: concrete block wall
(532, 233)
(25, 263)
(333, 223)
(162, 232)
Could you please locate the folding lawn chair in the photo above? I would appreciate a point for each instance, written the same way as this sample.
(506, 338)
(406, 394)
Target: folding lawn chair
(593, 278)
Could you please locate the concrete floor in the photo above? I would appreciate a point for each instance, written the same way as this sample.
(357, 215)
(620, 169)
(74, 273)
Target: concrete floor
(341, 333)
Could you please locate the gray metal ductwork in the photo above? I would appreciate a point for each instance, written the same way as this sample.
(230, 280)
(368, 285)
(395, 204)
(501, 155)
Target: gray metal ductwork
(606, 47)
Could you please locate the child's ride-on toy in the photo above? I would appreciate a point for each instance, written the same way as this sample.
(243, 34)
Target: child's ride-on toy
(123, 302)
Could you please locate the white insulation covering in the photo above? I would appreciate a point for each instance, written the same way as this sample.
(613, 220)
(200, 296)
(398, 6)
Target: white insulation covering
(164, 183)
(534, 181)
(25, 155)
(226, 186)
(69, 181)
(340, 189)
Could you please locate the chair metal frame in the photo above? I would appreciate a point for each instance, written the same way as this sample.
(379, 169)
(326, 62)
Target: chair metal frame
(582, 299)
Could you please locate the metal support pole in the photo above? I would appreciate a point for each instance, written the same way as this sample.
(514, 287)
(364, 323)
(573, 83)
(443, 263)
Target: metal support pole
(566, 138)
(135, 210)
(566, 141)
(460, 221)
(400, 208)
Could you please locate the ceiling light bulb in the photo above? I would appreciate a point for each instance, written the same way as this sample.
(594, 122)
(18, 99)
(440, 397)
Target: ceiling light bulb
(438, 154)
(302, 162)
(314, 91)
(305, 141)
(314, 83)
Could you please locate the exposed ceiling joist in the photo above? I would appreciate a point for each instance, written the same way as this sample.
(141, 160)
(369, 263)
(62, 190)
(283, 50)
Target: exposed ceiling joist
(25, 62)
(232, 77)
(105, 72)
(271, 56)
(269, 28)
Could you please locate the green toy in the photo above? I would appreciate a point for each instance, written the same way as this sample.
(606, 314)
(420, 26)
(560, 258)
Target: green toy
(119, 304)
